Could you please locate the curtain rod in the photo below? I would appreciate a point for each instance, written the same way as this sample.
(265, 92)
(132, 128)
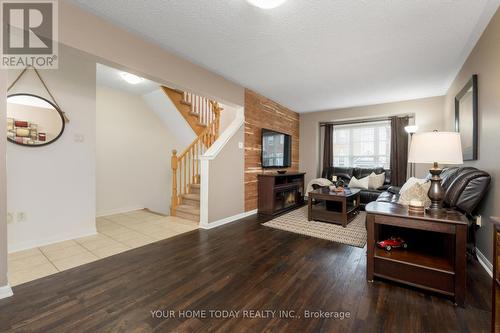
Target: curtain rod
(361, 121)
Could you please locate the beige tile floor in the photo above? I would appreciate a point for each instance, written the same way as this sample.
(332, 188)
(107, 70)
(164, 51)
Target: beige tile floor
(116, 233)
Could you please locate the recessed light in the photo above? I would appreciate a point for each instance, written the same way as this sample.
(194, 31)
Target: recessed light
(266, 4)
(131, 78)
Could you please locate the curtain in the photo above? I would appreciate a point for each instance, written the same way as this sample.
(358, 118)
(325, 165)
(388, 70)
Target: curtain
(399, 150)
(328, 147)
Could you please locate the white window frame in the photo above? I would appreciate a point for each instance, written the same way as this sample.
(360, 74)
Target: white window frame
(376, 156)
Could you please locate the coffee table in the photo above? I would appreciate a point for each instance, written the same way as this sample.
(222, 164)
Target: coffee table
(333, 207)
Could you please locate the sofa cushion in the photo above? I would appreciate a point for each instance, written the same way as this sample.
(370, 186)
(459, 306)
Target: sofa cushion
(416, 192)
(365, 172)
(359, 183)
(375, 181)
(388, 197)
(410, 183)
(367, 196)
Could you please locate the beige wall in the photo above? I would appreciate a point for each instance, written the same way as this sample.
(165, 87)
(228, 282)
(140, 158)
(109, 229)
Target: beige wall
(428, 114)
(226, 192)
(85, 31)
(54, 185)
(484, 61)
(3, 185)
(133, 168)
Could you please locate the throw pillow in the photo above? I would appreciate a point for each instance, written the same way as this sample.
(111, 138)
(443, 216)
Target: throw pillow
(410, 182)
(416, 192)
(359, 183)
(376, 181)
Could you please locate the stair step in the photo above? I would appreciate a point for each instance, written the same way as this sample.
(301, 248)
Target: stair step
(191, 196)
(195, 114)
(188, 212)
(194, 189)
(191, 199)
(202, 125)
(185, 102)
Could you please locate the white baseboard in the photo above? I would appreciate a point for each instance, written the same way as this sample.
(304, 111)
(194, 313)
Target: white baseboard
(228, 220)
(119, 211)
(26, 245)
(488, 267)
(6, 291)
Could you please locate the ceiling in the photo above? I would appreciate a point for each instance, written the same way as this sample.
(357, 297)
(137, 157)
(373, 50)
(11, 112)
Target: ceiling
(312, 55)
(110, 77)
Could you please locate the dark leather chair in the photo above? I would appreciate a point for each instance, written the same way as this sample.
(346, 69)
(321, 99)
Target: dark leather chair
(345, 173)
(464, 188)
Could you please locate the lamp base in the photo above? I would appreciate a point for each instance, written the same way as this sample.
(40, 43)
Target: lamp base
(436, 192)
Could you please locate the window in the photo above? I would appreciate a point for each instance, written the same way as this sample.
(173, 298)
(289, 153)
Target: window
(362, 145)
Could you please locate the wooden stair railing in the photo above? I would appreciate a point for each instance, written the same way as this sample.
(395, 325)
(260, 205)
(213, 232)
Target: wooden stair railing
(186, 166)
(198, 111)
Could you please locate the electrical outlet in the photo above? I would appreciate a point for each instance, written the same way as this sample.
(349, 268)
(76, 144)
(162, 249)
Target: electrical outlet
(240, 145)
(21, 216)
(10, 218)
(479, 221)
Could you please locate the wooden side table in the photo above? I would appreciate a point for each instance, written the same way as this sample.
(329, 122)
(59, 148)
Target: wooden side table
(495, 301)
(435, 259)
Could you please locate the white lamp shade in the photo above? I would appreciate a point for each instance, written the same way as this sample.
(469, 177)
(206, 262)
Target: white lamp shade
(440, 147)
(411, 129)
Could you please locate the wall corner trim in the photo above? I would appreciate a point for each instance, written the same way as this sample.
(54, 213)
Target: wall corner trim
(6, 291)
(227, 220)
(230, 131)
(488, 267)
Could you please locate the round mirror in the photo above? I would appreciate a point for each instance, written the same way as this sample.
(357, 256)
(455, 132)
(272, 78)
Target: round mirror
(33, 120)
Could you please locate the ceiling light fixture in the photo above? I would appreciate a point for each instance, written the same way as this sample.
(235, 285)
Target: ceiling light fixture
(131, 78)
(266, 4)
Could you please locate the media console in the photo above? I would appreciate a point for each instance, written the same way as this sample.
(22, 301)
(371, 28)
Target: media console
(280, 192)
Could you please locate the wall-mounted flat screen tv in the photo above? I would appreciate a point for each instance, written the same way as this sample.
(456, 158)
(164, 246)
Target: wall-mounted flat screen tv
(276, 149)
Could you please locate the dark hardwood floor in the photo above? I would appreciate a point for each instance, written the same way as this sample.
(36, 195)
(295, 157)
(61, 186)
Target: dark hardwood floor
(240, 266)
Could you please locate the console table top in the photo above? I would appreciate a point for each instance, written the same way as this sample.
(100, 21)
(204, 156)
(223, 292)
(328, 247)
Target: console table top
(275, 174)
(392, 209)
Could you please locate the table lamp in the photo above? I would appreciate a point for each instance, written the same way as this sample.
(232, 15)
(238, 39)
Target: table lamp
(436, 147)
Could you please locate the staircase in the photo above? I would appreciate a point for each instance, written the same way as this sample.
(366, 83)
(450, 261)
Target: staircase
(203, 115)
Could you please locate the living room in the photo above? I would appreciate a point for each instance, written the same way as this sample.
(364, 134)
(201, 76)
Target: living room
(352, 188)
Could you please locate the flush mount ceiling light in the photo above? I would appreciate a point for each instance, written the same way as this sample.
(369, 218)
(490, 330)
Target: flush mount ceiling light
(131, 78)
(266, 4)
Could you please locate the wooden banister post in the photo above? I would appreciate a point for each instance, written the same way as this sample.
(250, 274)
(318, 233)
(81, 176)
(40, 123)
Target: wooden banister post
(174, 199)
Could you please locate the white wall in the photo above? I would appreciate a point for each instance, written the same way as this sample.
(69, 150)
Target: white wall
(133, 155)
(172, 119)
(54, 185)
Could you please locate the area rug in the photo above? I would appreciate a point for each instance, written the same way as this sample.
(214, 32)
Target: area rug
(296, 221)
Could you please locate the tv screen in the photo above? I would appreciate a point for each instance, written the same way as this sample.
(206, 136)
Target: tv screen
(276, 149)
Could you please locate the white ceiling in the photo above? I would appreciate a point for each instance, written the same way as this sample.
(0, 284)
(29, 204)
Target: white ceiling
(110, 77)
(314, 55)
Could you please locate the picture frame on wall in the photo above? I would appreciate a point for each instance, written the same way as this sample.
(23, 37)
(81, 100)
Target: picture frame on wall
(466, 119)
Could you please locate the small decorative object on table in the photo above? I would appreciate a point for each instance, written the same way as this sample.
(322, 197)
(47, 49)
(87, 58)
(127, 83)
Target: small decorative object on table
(281, 172)
(334, 188)
(392, 243)
(416, 207)
(339, 183)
